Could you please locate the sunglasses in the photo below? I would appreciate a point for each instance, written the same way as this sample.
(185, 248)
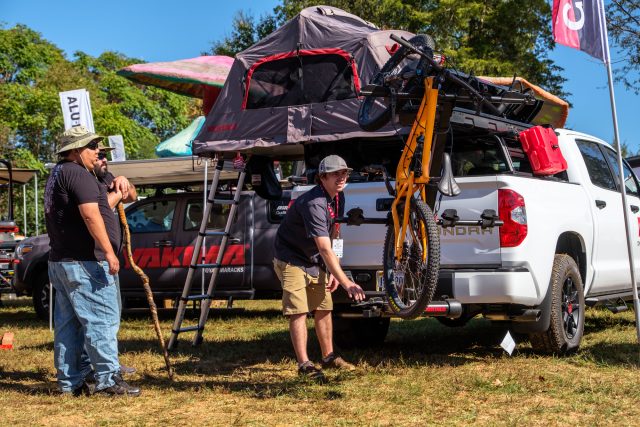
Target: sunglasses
(102, 155)
(93, 145)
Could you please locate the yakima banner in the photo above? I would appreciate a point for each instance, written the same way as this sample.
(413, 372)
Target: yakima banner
(76, 109)
(117, 143)
(581, 24)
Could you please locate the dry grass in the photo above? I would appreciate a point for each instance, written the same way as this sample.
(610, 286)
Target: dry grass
(244, 374)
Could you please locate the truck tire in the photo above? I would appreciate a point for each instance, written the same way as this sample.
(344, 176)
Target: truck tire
(567, 310)
(349, 332)
(40, 295)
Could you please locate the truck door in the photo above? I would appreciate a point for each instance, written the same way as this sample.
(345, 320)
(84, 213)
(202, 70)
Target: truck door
(610, 257)
(235, 262)
(633, 200)
(151, 223)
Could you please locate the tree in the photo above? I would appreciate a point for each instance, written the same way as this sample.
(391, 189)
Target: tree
(33, 71)
(624, 27)
(246, 32)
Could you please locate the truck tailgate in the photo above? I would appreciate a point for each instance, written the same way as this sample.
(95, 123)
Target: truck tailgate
(471, 245)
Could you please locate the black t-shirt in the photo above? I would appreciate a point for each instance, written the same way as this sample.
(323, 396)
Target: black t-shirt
(307, 218)
(70, 185)
(114, 230)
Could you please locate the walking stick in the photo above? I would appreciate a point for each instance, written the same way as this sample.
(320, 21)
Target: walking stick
(147, 288)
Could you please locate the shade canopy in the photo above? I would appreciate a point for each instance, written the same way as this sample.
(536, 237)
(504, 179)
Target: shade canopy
(20, 176)
(202, 77)
(167, 171)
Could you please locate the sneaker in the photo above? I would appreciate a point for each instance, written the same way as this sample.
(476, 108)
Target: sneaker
(120, 388)
(336, 362)
(127, 370)
(308, 370)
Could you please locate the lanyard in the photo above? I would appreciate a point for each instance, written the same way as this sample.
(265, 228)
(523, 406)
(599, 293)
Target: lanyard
(333, 214)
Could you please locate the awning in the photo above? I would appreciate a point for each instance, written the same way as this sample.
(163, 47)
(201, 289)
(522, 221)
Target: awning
(170, 170)
(20, 176)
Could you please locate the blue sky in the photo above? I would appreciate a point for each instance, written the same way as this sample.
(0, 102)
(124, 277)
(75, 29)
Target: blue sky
(164, 30)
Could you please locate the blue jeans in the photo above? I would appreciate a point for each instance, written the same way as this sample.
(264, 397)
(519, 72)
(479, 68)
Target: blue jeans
(87, 317)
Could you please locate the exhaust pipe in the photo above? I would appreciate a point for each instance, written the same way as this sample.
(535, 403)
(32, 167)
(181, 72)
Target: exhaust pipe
(448, 308)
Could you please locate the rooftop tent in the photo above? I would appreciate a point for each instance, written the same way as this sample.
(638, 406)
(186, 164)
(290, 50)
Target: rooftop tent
(298, 85)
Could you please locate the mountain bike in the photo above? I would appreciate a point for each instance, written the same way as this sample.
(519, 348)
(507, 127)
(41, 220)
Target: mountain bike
(411, 259)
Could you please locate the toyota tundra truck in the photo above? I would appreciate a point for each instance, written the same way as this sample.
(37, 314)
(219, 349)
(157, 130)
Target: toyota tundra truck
(561, 247)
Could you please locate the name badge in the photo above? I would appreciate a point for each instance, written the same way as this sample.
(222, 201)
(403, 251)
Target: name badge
(338, 248)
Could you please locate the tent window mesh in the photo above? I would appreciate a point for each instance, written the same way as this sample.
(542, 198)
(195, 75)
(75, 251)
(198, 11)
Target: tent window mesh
(300, 80)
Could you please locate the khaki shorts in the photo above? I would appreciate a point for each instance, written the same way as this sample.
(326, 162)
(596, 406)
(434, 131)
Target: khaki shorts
(301, 292)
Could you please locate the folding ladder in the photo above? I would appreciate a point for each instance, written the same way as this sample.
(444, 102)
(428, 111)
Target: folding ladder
(205, 299)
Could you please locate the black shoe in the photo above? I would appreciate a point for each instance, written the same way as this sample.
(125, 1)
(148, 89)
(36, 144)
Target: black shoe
(308, 370)
(127, 370)
(87, 388)
(120, 388)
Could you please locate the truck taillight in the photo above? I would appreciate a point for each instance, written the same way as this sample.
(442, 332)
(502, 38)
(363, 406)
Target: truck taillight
(513, 213)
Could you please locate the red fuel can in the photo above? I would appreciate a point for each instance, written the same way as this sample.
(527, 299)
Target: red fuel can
(541, 146)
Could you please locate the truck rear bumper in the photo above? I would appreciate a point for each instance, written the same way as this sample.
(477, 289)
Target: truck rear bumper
(498, 286)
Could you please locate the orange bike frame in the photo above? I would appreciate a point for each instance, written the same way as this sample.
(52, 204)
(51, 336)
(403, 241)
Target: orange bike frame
(407, 184)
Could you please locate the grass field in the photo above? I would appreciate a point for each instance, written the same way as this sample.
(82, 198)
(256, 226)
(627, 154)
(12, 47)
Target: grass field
(244, 374)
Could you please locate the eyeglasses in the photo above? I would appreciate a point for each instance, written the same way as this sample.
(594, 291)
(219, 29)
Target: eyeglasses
(93, 145)
(102, 155)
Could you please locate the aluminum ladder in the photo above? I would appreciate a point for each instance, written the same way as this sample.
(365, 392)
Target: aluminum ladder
(205, 299)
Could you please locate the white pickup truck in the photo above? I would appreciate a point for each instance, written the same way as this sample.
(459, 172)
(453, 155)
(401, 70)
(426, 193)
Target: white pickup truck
(562, 246)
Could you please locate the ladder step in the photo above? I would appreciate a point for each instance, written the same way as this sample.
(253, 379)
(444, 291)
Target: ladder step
(205, 265)
(187, 329)
(222, 201)
(196, 297)
(213, 233)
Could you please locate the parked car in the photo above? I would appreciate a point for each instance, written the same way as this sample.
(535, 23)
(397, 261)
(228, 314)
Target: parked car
(163, 233)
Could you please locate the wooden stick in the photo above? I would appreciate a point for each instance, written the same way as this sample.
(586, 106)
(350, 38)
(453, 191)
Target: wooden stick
(147, 288)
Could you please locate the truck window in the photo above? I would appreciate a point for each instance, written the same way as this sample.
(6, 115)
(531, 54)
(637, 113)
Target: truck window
(597, 166)
(152, 217)
(194, 212)
(630, 183)
(471, 157)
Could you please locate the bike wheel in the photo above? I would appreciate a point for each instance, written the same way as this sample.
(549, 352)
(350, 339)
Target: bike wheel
(372, 116)
(411, 282)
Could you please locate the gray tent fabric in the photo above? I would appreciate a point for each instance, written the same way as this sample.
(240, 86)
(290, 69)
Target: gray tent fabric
(257, 111)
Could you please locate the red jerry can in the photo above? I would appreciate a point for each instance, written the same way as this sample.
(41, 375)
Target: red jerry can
(541, 146)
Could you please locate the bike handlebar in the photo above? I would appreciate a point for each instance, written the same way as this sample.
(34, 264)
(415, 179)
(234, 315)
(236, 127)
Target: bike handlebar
(446, 74)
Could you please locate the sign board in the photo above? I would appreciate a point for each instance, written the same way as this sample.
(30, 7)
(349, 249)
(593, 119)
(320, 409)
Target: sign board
(76, 109)
(117, 143)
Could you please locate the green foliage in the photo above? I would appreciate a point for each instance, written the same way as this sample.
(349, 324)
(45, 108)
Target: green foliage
(33, 71)
(624, 27)
(246, 32)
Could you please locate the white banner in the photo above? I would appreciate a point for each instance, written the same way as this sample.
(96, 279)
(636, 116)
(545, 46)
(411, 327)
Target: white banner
(76, 109)
(117, 143)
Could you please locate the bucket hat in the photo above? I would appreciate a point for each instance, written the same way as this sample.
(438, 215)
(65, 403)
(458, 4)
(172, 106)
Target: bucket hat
(77, 137)
(333, 163)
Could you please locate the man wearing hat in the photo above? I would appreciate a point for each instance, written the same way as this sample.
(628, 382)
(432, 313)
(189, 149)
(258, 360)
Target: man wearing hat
(82, 266)
(307, 251)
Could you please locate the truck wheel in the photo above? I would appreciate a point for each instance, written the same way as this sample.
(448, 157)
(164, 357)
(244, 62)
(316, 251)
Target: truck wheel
(40, 294)
(567, 310)
(360, 332)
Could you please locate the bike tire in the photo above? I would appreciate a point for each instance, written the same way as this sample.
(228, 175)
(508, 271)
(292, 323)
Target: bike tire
(408, 297)
(370, 121)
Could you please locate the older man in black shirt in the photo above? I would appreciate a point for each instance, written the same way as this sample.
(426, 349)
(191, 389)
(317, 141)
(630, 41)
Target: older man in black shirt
(307, 249)
(82, 265)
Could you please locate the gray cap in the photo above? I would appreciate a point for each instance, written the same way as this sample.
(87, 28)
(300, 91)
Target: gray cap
(333, 163)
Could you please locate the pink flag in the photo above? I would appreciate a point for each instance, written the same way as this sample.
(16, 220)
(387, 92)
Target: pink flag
(581, 24)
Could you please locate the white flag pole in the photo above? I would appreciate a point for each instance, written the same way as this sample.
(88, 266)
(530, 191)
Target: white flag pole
(625, 206)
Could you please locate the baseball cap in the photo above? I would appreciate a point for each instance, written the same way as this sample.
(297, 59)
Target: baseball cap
(102, 147)
(333, 163)
(77, 137)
